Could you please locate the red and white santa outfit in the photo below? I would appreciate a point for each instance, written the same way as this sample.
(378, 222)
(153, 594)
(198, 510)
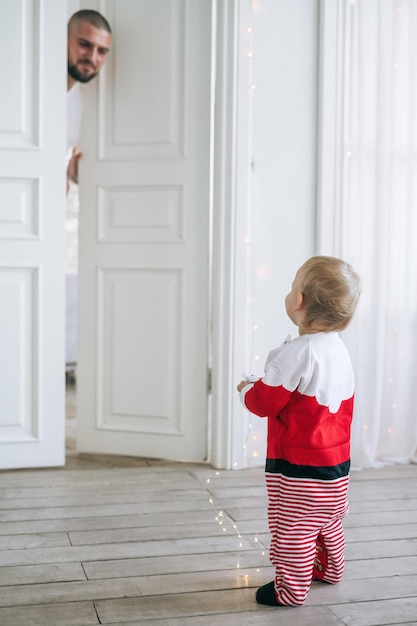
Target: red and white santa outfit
(307, 395)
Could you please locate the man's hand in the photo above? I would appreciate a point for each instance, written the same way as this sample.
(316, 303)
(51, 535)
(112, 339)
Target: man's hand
(242, 384)
(72, 170)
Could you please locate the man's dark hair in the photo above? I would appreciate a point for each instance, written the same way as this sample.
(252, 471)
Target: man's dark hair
(91, 17)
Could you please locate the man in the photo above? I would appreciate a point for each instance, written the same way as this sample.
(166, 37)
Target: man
(89, 39)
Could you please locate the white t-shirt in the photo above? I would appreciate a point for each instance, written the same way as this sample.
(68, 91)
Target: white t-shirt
(74, 118)
(74, 121)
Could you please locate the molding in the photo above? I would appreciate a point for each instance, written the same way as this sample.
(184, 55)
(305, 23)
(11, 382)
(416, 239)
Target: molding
(330, 91)
(223, 235)
(231, 220)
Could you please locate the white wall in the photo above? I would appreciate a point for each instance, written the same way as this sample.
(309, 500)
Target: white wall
(282, 178)
(72, 7)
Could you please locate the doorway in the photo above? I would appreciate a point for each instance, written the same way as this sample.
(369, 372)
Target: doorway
(142, 363)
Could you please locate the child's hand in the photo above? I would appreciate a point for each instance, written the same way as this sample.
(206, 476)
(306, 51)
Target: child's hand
(242, 384)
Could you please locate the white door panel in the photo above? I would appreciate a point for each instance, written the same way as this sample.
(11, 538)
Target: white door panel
(144, 235)
(32, 197)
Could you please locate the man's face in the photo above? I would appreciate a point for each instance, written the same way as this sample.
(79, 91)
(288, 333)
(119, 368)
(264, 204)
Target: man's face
(87, 50)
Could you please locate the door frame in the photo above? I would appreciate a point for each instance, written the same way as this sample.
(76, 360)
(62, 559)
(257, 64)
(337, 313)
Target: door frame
(229, 183)
(230, 158)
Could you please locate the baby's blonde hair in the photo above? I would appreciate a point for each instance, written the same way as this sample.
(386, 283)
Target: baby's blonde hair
(331, 289)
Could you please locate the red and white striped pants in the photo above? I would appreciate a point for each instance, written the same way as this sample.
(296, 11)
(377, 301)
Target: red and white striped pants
(301, 513)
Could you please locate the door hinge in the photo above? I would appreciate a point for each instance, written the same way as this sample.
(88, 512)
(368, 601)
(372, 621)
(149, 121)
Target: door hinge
(209, 380)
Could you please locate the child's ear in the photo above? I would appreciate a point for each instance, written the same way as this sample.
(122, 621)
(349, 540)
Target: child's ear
(299, 301)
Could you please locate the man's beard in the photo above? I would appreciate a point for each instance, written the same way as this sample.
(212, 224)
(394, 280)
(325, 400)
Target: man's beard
(79, 76)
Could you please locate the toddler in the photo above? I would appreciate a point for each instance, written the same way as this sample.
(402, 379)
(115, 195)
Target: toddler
(307, 394)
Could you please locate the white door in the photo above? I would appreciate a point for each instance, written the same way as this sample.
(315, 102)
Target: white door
(32, 208)
(144, 235)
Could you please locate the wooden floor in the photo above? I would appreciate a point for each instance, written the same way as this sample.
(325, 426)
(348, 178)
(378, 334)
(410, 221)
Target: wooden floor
(132, 542)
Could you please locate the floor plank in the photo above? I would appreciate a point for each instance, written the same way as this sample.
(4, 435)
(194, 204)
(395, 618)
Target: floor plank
(72, 614)
(176, 605)
(317, 616)
(34, 574)
(381, 613)
(176, 564)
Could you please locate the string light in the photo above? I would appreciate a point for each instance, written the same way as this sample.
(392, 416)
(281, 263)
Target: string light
(225, 521)
(249, 54)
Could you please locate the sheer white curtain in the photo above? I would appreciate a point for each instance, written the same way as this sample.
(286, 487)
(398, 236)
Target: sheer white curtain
(367, 207)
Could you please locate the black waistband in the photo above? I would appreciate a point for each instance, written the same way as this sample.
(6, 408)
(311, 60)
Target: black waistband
(280, 466)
